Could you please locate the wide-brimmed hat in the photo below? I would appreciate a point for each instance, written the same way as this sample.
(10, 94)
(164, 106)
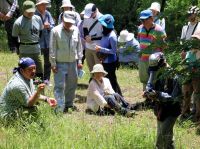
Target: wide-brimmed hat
(89, 9)
(67, 3)
(125, 36)
(107, 20)
(38, 2)
(28, 6)
(155, 6)
(145, 14)
(98, 68)
(196, 34)
(69, 16)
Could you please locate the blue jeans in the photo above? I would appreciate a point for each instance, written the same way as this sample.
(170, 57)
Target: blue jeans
(65, 84)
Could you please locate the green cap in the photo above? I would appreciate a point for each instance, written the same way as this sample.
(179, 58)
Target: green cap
(28, 6)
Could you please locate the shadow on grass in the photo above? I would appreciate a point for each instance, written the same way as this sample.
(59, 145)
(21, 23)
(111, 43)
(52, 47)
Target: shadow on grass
(82, 86)
(80, 99)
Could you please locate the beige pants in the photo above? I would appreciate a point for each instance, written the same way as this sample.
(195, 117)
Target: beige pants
(91, 58)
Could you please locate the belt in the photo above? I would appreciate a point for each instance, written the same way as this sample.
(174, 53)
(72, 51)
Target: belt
(33, 43)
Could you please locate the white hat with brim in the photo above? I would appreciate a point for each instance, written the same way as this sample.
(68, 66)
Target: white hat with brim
(155, 6)
(69, 16)
(125, 36)
(41, 2)
(98, 68)
(67, 3)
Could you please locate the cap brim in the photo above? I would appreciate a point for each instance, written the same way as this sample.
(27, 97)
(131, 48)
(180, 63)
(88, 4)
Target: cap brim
(43, 2)
(30, 10)
(87, 15)
(68, 20)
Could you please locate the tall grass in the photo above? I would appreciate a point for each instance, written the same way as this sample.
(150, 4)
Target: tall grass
(82, 131)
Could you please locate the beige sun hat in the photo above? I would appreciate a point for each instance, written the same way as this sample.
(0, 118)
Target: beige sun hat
(196, 34)
(98, 68)
(38, 2)
(125, 36)
(155, 6)
(69, 16)
(66, 3)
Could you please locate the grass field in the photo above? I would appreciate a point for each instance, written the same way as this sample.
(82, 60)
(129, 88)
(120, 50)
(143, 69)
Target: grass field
(82, 131)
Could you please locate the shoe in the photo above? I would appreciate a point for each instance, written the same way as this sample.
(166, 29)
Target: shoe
(130, 113)
(70, 109)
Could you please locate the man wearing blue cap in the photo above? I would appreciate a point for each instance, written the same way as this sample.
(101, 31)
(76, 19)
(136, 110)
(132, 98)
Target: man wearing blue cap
(20, 94)
(151, 38)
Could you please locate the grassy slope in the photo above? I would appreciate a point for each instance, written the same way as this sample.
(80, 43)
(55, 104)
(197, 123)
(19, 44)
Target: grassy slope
(79, 130)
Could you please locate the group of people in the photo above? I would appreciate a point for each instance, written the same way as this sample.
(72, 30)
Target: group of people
(63, 47)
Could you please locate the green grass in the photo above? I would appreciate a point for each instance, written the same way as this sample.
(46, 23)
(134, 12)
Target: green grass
(82, 131)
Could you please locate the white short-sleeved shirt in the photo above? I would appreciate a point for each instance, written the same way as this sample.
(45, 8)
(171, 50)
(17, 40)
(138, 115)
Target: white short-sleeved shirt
(187, 30)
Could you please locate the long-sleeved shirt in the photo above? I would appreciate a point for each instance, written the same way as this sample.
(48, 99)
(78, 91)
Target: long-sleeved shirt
(6, 8)
(96, 92)
(109, 46)
(44, 39)
(65, 46)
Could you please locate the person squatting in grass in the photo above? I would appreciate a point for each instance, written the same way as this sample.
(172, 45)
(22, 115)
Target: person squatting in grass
(166, 94)
(101, 96)
(20, 93)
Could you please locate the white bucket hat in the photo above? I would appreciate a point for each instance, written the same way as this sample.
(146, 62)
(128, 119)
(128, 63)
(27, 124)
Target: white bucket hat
(69, 16)
(125, 36)
(38, 2)
(66, 3)
(155, 6)
(98, 68)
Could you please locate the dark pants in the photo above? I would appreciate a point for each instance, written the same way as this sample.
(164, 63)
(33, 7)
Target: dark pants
(111, 68)
(12, 44)
(117, 102)
(165, 133)
(47, 64)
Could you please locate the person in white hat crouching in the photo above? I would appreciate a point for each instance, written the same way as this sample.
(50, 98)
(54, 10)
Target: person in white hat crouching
(101, 96)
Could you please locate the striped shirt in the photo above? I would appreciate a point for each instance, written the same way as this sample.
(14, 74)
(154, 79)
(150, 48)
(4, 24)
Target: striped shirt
(147, 37)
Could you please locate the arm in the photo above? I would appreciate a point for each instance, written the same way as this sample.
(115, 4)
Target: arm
(52, 50)
(12, 9)
(113, 46)
(79, 51)
(95, 94)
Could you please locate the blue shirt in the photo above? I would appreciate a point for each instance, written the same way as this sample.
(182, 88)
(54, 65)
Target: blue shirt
(44, 39)
(109, 45)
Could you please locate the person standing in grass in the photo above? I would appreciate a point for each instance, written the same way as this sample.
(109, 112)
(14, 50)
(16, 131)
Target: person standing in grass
(20, 94)
(8, 13)
(101, 95)
(65, 52)
(108, 46)
(165, 92)
(28, 28)
(152, 39)
(48, 24)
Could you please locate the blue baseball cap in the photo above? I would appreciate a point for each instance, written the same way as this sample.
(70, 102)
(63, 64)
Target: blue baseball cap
(145, 14)
(107, 20)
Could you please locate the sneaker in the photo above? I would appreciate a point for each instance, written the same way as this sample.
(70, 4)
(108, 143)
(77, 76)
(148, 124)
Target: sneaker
(71, 109)
(130, 113)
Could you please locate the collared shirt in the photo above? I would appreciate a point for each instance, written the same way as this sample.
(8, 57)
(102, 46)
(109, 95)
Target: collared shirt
(146, 38)
(65, 46)
(16, 94)
(28, 31)
(6, 8)
(109, 46)
(44, 39)
(95, 93)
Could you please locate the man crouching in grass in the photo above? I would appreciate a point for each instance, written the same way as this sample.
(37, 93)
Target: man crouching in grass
(20, 94)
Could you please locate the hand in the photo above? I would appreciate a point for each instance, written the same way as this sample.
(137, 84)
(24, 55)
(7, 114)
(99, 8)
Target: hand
(46, 25)
(80, 66)
(183, 54)
(88, 39)
(54, 69)
(52, 102)
(153, 95)
(97, 48)
(40, 87)
(2, 16)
